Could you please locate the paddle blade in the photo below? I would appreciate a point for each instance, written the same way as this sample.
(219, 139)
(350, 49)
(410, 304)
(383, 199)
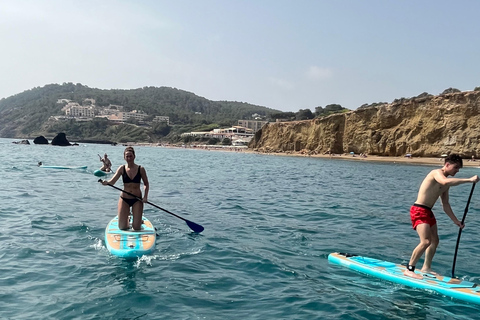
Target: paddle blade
(195, 227)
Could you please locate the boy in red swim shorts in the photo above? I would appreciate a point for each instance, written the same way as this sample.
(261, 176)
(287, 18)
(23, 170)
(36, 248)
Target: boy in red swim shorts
(421, 214)
(436, 184)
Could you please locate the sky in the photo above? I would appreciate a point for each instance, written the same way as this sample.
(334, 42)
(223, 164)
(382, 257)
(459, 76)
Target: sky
(282, 54)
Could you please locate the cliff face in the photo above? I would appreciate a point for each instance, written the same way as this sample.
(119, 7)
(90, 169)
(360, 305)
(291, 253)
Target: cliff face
(427, 126)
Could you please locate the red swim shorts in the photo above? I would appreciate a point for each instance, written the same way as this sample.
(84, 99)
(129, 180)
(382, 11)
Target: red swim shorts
(421, 214)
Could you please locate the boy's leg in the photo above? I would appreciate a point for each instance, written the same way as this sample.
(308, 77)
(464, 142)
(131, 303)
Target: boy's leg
(432, 248)
(424, 232)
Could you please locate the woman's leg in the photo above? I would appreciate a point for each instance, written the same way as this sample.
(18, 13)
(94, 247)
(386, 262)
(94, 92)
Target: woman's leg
(137, 210)
(123, 213)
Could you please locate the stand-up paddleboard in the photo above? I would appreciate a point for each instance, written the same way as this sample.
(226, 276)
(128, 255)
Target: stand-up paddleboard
(451, 287)
(100, 173)
(64, 167)
(130, 243)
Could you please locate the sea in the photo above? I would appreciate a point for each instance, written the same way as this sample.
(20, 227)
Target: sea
(270, 222)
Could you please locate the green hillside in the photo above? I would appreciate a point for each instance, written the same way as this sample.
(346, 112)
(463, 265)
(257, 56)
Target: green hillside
(27, 114)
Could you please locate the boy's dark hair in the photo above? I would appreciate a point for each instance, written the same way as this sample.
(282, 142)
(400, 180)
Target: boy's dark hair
(454, 159)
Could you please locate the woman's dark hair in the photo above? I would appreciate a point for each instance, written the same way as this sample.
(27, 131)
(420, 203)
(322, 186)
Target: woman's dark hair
(129, 149)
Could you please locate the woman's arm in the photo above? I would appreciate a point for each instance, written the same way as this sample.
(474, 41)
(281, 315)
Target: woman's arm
(146, 186)
(114, 178)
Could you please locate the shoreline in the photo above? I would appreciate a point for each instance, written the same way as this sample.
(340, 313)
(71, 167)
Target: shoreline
(371, 158)
(386, 159)
(412, 160)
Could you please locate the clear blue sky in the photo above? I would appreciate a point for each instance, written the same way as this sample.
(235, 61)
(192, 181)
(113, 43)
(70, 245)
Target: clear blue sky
(287, 55)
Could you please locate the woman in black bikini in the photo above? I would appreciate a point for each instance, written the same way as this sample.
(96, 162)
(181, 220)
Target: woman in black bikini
(131, 174)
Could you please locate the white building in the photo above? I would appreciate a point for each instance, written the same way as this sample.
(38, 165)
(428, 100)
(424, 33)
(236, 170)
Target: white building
(162, 119)
(76, 110)
(135, 114)
(252, 124)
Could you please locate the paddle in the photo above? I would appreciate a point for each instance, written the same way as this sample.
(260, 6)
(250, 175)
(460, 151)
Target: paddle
(194, 226)
(460, 231)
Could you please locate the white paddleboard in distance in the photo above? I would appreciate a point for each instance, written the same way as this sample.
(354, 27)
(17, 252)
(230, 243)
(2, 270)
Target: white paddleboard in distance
(64, 167)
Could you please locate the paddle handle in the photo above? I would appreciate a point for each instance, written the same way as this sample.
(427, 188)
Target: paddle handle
(460, 231)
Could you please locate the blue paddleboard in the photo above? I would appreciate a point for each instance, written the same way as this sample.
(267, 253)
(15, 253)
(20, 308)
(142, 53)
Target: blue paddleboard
(100, 173)
(450, 287)
(130, 243)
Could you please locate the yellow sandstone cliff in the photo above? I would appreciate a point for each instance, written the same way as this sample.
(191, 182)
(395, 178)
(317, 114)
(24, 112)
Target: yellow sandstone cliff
(424, 126)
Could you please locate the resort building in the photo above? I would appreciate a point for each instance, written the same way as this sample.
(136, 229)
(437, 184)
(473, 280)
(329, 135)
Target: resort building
(162, 119)
(73, 109)
(255, 125)
(237, 134)
(135, 114)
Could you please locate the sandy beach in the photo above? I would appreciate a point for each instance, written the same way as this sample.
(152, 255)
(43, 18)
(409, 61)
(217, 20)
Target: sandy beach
(412, 160)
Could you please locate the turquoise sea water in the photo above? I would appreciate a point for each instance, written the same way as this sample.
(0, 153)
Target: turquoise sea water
(270, 223)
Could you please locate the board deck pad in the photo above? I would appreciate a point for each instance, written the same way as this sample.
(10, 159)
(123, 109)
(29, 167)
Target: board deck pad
(130, 243)
(451, 287)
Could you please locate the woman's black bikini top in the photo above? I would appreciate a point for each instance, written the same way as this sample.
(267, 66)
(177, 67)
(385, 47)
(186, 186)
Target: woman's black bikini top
(126, 178)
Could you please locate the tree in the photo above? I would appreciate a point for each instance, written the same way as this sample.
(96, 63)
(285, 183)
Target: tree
(450, 90)
(304, 114)
(161, 129)
(283, 115)
(212, 141)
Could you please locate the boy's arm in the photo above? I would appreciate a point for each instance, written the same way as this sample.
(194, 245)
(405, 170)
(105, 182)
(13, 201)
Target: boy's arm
(448, 209)
(450, 182)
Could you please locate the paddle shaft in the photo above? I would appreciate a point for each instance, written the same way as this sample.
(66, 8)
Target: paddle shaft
(460, 231)
(194, 226)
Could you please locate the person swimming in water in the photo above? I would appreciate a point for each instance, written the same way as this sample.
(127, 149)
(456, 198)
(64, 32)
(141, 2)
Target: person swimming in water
(132, 174)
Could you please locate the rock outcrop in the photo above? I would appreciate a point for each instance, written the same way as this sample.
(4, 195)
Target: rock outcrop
(60, 140)
(22, 142)
(40, 140)
(426, 126)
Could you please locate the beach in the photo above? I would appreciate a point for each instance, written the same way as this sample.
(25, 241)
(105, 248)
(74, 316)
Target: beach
(412, 160)
(356, 157)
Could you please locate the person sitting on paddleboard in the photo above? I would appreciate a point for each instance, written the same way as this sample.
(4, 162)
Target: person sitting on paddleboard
(107, 164)
(436, 184)
(132, 174)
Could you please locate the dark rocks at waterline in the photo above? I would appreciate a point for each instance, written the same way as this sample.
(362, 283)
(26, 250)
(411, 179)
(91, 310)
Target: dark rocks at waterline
(61, 140)
(21, 142)
(97, 141)
(40, 140)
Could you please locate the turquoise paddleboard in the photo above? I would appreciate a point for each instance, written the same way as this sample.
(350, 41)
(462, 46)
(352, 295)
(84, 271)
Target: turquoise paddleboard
(100, 173)
(64, 167)
(130, 243)
(450, 287)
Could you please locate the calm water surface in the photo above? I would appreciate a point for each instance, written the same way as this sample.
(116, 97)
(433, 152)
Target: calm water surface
(270, 223)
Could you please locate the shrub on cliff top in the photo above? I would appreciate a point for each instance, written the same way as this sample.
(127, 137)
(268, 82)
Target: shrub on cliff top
(450, 90)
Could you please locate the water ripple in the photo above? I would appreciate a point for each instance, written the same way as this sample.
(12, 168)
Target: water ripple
(270, 223)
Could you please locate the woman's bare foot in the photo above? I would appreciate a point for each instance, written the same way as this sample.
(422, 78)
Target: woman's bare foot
(412, 274)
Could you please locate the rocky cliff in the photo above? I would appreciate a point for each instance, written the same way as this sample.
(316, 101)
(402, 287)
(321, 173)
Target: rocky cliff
(426, 126)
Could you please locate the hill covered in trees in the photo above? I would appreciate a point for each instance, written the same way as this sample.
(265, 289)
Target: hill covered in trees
(28, 114)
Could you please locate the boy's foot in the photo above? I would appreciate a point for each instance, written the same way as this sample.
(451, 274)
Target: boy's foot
(412, 274)
(430, 271)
